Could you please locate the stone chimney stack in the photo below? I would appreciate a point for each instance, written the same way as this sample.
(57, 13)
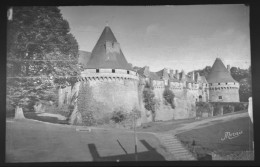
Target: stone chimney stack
(177, 74)
(183, 74)
(198, 76)
(171, 73)
(228, 68)
(193, 75)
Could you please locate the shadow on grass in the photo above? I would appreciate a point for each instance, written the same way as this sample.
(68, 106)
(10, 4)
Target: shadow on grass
(150, 155)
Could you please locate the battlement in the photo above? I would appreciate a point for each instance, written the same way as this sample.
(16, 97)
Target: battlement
(112, 74)
(223, 86)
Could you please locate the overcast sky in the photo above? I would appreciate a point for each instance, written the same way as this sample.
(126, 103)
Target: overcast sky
(177, 37)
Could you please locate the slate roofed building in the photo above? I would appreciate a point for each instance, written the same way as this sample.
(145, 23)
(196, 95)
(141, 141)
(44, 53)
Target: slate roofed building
(222, 87)
(107, 53)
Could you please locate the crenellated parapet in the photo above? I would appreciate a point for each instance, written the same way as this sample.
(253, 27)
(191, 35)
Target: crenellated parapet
(108, 74)
(223, 86)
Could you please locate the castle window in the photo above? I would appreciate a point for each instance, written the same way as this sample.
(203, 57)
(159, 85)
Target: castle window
(113, 70)
(127, 72)
(220, 97)
(97, 70)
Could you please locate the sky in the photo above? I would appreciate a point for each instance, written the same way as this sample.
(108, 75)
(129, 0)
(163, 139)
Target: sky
(187, 37)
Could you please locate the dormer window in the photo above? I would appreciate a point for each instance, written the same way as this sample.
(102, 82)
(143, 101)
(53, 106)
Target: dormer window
(218, 83)
(113, 70)
(220, 97)
(97, 70)
(127, 72)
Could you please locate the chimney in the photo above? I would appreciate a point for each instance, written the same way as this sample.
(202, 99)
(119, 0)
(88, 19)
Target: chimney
(228, 68)
(183, 74)
(171, 73)
(177, 74)
(198, 76)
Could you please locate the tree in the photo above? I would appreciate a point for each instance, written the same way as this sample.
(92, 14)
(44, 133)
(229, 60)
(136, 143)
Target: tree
(150, 103)
(41, 55)
(243, 76)
(168, 95)
(239, 74)
(204, 72)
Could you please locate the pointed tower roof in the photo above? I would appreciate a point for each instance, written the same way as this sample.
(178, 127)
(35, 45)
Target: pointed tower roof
(219, 73)
(107, 53)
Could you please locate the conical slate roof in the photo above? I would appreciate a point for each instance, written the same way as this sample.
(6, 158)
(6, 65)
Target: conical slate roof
(219, 73)
(104, 57)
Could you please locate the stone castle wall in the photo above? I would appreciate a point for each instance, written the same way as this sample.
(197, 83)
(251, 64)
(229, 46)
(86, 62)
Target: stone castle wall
(228, 91)
(114, 88)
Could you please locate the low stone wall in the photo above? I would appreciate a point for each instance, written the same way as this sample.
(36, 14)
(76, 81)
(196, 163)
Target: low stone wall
(208, 109)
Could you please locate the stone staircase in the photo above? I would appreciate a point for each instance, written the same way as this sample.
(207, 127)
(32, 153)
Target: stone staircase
(175, 147)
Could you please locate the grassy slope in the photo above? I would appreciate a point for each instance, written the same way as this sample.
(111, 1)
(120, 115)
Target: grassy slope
(29, 141)
(208, 139)
(173, 124)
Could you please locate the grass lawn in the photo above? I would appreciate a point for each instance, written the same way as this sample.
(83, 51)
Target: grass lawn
(208, 139)
(30, 141)
(174, 124)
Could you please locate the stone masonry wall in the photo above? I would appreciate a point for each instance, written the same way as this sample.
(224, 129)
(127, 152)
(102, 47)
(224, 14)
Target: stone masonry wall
(115, 93)
(229, 92)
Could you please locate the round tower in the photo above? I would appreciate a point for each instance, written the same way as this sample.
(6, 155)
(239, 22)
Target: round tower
(222, 87)
(110, 78)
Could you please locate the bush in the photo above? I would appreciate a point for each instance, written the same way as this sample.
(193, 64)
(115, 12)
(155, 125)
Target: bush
(119, 115)
(168, 95)
(227, 109)
(203, 107)
(241, 106)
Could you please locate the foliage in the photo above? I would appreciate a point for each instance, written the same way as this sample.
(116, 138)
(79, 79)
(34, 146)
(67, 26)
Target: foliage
(119, 115)
(202, 107)
(40, 49)
(228, 109)
(149, 101)
(204, 72)
(84, 102)
(244, 77)
(136, 112)
(168, 95)
(245, 89)
(126, 119)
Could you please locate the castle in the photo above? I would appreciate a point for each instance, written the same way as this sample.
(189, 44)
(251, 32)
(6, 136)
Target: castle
(113, 82)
